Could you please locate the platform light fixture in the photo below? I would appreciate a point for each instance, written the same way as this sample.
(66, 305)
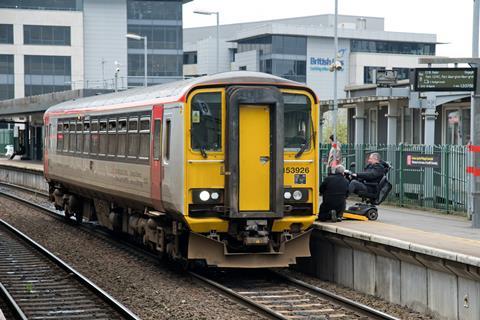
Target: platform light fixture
(134, 36)
(209, 13)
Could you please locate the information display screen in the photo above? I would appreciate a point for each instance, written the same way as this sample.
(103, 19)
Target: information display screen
(445, 79)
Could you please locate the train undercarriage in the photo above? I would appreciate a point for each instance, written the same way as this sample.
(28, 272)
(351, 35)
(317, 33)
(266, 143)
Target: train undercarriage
(248, 244)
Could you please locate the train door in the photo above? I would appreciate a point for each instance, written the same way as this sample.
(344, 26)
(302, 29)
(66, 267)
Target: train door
(156, 155)
(254, 158)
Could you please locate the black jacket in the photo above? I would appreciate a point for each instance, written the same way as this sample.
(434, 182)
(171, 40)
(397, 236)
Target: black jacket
(373, 173)
(334, 188)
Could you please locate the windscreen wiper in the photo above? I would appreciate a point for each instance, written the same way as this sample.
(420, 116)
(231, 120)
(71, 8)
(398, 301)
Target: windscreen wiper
(204, 152)
(303, 147)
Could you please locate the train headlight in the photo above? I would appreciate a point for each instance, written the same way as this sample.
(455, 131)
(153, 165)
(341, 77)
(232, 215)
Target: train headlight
(204, 195)
(207, 196)
(297, 195)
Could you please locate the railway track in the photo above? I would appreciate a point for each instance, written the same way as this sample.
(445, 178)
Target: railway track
(278, 296)
(271, 294)
(37, 285)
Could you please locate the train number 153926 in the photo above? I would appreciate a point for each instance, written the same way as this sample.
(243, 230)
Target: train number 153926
(296, 170)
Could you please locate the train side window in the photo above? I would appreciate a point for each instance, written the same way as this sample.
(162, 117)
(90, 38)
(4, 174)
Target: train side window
(144, 138)
(59, 136)
(122, 137)
(66, 139)
(86, 137)
(49, 137)
(103, 137)
(71, 135)
(133, 137)
(112, 137)
(79, 133)
(167, 139)
(157, 140)
(94, 137)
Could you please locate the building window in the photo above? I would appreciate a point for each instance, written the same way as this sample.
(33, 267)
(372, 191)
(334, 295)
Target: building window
(190, 57)
(161, 23)
(262, 44)
(402, 73)
(289, 45)
(232, 53)
(295, 70)
(45, 74)
(154, 10)
(369, 73)
(69, 5)
(415, 48)
(6, 33)
(6, 77)
(158, 37)
(46, 35)
(159, 65)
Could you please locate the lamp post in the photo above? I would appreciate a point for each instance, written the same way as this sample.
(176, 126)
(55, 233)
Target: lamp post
(144, 38)
(335, 102)
(208, 13)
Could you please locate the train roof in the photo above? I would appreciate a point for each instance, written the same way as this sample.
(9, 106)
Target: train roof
(171, 92)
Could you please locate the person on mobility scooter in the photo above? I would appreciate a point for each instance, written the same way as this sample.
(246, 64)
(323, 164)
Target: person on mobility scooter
(371, 185)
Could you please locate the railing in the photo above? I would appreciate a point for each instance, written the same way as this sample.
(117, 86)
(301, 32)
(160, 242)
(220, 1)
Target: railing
(445, 187)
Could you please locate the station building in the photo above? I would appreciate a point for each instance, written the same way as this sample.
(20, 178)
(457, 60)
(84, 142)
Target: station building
(301, 49)
(57, 45)
(51, 46)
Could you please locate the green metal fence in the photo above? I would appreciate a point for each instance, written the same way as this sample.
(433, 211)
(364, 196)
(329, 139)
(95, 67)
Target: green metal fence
(6, 138)
(445, 187)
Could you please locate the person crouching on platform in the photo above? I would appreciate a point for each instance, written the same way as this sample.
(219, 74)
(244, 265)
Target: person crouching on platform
(334, 191)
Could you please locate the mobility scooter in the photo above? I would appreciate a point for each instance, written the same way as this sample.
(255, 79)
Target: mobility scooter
(367, 208)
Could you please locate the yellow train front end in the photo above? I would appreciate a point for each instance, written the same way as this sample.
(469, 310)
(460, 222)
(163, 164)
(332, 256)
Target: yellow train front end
(251, 174)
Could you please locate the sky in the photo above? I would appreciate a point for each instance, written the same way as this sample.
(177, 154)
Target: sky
(450, 20)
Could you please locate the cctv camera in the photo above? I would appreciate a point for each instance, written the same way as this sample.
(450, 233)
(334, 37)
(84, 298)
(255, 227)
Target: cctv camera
(338, 65)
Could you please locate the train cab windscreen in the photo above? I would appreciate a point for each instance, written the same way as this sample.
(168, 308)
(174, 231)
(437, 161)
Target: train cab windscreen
(298, 122)
(206, 122)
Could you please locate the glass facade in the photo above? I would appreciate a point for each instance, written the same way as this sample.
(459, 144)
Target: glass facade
(158, 65)
(69, 5)
(6, 77)
(369, 71)
(394, 47)
(6, 33)
(161, 23)
(46, 35)
(283, 56)
(45, 74)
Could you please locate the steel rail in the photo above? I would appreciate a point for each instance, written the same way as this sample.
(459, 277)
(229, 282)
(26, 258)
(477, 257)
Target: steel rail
(12, 304)
(239, 298)
(116, 305)
(269, 313)
(348, 303)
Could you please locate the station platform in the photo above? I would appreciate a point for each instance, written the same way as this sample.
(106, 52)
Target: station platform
(435, 234)
(22, 164)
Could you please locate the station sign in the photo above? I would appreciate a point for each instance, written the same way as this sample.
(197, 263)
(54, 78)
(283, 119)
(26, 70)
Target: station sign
(445, 79)
(420, 160)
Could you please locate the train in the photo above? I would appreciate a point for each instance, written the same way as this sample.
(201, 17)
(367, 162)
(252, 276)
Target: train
(222, 170)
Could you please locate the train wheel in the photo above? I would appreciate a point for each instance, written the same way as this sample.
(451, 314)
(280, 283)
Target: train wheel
(372, 214)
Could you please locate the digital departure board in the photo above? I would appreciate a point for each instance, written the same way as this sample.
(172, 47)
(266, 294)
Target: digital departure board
(445, 79)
